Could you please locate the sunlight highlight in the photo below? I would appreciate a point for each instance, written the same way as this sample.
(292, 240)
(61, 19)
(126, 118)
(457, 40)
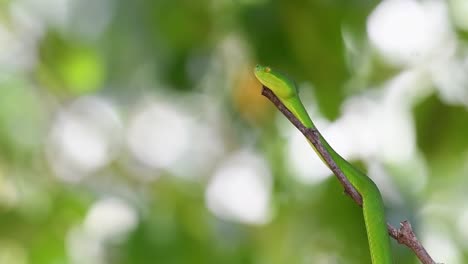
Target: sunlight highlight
(158, 134)
(83, 138)
(240, 189)
(407, 32)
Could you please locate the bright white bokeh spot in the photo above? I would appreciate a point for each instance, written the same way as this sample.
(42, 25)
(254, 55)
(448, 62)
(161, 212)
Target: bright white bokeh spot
(373, 130)
(305, 164)
(205, 149)
(411, 175)
(358, 125)
(240, 189)
(379, 123)
(377, 172)
(207, 145)
(18, 40)
(450, 77)
(110, 218)
(398, 143)
(83, 138)
(441, 247)
(85, 146)
(407, 32)
(10, 50)
(159, 134)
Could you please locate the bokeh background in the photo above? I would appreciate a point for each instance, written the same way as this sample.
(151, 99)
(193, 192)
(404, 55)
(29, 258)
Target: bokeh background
(135, 132)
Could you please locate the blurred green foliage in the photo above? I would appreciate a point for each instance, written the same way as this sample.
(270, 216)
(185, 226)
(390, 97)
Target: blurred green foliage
(179, 47)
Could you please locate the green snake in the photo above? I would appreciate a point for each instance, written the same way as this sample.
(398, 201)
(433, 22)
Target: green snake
(372, 202)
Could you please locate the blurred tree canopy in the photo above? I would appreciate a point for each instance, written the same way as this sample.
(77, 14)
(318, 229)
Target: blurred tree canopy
(135, 132)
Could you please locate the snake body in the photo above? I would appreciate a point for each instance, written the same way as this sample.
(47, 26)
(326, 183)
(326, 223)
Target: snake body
(372, 202)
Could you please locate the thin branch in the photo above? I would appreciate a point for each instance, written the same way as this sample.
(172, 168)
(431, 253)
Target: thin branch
(404, 235)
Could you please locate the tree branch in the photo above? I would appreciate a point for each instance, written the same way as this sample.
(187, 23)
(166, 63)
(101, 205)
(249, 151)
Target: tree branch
(404, 235)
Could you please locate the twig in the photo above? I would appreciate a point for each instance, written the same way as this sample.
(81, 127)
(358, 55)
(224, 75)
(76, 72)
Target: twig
(404, 235)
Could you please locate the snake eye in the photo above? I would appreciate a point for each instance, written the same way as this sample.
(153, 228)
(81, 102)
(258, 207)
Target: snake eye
(267, 69)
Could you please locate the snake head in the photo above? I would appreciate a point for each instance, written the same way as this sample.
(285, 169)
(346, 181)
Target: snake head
(279, 83)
